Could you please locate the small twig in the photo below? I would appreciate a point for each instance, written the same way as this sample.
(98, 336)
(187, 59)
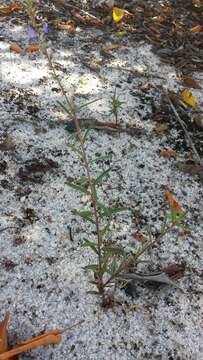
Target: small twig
(71, 327)
(136, 72)
(70, 233)
(8, 227)
(187, 135)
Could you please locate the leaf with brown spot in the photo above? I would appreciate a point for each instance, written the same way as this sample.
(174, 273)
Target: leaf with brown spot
(16, 48)
(7, 144)
(168, 153)
(187, 81)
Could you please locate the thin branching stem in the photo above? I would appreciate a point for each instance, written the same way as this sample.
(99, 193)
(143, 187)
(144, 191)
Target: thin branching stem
(86, 165)
(124, 264)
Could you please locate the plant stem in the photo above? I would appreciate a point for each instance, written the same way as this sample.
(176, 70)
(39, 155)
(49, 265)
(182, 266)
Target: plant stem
(126, 263)
(87, 167)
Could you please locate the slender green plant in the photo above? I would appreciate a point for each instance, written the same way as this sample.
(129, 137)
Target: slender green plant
(111, 260)
(115, 106)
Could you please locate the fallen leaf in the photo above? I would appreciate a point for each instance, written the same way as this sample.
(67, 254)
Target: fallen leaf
(50, 337)
(196, 29)
(187, 81)
(154, 29)
(161, 128)
(168, 153)
(172, 202)
(160, 277)
(138, 237)
(68, 26)
(188, 98)
(7, 144)
(145, 87)
(88, 20)
(4, 334)
(191, 169)
(16, 48)
(117, 14)
(6, 10)
(32, 48)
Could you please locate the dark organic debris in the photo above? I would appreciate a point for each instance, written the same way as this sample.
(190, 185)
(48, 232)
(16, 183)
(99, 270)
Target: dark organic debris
(34, 170)
(191, 169)
(8, 264)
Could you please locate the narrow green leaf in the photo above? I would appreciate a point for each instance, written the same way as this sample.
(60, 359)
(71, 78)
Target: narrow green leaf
(101, 176)
(94, 192)
(86, 215)
(91, 245)
(88, 103)
(77, 187)
(101, 158)
(114, 250)
(86, 134)
(93, 267)
(104, 230)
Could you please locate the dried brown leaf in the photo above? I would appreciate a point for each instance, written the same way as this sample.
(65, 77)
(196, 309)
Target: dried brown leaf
(189, 82)
(16, 48)
(161, 128)
(4, 334)
(50, 337)
(168, 153)
(6, 10)
(68, 26)
(32, 48)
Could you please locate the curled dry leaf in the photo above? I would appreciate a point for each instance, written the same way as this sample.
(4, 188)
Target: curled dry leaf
(168, 153)
(16, 48)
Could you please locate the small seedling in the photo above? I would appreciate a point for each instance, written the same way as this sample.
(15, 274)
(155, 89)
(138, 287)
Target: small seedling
(115, 106)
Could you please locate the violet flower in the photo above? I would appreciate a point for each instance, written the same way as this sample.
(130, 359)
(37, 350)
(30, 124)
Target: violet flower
(45, 28)
(31, 34)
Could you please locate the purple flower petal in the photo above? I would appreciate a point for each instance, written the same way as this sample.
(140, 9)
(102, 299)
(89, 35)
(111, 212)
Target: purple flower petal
(45, 28)
(31, 34)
